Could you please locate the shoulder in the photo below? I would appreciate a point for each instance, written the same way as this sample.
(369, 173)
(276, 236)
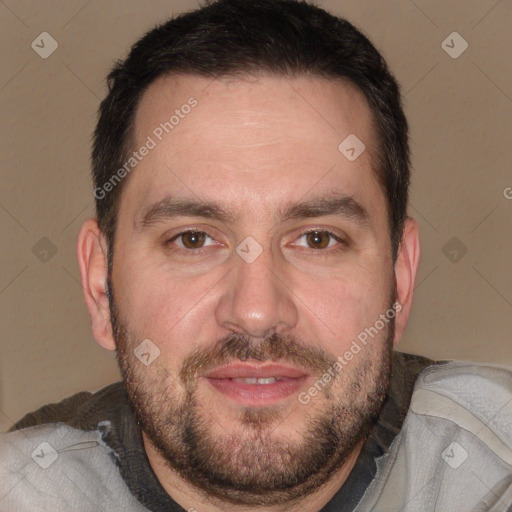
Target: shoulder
(476, 397)
(454, 451)
(58, 458)
(82, 410)
(60, 468)
(477, 387)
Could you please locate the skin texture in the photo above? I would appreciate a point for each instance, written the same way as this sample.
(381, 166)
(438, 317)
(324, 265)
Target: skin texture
(253, 146)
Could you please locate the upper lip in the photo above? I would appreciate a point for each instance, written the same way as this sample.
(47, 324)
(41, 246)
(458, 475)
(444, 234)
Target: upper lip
(244, 370)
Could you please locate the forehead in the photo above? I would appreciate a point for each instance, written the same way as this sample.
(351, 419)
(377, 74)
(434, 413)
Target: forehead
(258, 140)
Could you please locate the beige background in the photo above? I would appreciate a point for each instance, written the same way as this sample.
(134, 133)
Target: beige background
(460, 113)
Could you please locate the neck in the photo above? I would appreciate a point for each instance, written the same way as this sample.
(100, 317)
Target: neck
(194, 500)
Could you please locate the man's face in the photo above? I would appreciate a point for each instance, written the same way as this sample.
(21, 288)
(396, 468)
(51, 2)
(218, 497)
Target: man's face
(255, 303)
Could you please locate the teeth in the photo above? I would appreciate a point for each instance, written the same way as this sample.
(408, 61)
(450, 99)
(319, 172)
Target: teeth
(268, 380)
(255, 380)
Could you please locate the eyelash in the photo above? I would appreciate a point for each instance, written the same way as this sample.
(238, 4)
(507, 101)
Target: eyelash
(342, 243)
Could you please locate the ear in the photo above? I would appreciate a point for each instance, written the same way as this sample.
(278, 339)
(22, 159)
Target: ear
(93, 262)
(405, 274)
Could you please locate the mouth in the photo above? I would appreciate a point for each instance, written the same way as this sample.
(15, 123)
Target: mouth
(256, 385)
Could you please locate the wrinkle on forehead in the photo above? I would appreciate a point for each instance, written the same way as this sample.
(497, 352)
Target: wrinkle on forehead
(299, 105)
(248, 133)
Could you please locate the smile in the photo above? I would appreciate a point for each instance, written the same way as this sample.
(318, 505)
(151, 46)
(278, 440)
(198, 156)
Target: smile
(253, 385)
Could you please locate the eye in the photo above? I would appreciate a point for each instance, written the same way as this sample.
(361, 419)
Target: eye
(191, 239)
(320, 239)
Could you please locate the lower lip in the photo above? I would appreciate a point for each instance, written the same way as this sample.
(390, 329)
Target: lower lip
(257, 394)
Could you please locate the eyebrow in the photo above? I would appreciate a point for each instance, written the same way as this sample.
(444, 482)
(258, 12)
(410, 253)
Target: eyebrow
(342, 206)
(169, 207)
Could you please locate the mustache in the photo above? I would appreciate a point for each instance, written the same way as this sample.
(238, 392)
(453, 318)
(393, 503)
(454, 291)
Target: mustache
(275, 348)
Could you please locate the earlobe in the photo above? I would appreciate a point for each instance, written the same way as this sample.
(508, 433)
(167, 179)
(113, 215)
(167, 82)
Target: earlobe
(93, 262)
(406, 267)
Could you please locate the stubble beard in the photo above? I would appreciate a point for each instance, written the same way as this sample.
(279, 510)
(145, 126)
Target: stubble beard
(252, 465)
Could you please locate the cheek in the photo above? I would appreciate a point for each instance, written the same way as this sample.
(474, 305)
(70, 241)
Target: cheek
(173, 311)
(339, 309)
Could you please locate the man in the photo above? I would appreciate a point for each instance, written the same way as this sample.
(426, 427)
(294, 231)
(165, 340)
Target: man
(253, 265)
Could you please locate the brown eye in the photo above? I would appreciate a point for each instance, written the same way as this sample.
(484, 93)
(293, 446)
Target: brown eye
(318, 239)
(191, 239)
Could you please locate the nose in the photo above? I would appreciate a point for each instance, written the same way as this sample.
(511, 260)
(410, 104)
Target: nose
(256, 300)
